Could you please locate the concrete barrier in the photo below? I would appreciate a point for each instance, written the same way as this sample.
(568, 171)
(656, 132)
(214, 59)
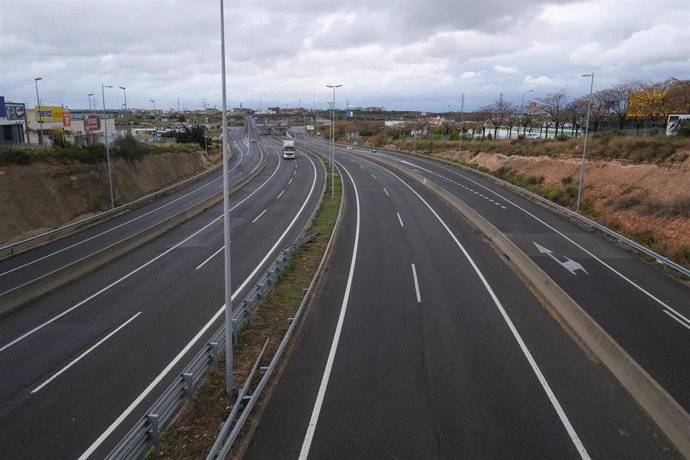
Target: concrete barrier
(32, 290)
(670, 417)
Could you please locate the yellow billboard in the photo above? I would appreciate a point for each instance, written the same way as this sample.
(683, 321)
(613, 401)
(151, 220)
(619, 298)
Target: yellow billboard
(48, 113)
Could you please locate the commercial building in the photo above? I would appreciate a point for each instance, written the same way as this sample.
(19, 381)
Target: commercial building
(78, 128)
(12, 123)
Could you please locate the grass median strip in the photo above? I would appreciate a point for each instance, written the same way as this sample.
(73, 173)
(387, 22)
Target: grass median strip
(196, 428)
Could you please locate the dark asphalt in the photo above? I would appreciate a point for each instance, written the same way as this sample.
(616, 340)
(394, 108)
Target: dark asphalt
(175, 300)
(445, 377)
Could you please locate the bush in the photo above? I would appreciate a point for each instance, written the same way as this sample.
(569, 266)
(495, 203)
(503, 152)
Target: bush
(129, 148)
(684, 130)
(14, 156)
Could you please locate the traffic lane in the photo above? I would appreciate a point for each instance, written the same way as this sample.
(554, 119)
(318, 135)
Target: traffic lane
(175, 293)
(45, 259)
(609, 423)
(79, 295)
(285, 416)
(616, 416)
(529, 217)
(651, 324)
(402, 363)
(27, 317)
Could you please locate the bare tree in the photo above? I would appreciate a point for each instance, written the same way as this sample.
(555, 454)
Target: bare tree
(616, 100)
(576, 111)
(497, 113)
(553, 105)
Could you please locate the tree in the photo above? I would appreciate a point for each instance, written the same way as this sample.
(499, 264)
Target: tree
(195, 134)
(678, 95)
(616, 100)
(576, 111)
(497, 113)
(554, 106)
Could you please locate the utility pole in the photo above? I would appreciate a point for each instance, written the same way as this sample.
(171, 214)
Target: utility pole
(462, 124)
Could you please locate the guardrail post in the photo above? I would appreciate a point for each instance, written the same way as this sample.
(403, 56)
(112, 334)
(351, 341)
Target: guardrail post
(214, 348)
(189, 387)
(154, 434)
(235, 339)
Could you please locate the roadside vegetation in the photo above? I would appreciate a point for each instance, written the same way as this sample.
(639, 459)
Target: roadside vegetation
(126, 148)
(196, 428)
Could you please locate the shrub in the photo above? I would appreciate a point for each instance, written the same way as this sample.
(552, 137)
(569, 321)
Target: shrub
(14, 156)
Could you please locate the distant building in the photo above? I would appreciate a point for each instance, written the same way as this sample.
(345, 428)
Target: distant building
(80, 128)
(12, 122)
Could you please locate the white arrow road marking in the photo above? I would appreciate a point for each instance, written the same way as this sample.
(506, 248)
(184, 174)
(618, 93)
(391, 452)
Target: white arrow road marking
(569, 264)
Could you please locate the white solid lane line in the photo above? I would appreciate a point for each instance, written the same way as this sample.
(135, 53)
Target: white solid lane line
(259, 216)
(311, 428)
(400, 220)
(61, 371)
(516, 335)
(118, 226)
(210, 257)
(416, 284)
(141, 267)
(679, 318)
(573, 242)
(200, 334)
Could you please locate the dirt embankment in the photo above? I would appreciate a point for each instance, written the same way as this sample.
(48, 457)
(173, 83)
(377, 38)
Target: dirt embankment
(41, 196)
(650, 202)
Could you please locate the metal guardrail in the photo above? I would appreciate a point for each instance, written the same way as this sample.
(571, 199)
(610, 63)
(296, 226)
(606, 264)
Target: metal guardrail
(146, 432)
(611, 233)
(10, 248)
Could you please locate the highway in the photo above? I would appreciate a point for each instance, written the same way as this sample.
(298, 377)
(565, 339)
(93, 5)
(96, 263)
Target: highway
(644, 310)
(82, 364)
(423, 343)
(30, 265)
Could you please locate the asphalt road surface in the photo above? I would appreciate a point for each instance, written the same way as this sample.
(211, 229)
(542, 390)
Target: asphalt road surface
(422, 343)
(83, 363)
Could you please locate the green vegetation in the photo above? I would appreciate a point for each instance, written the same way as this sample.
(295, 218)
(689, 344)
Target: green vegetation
(127, 148)
(195, 429)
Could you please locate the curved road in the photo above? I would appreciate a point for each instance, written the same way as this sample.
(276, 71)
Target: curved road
(422, 343)
(82, 364)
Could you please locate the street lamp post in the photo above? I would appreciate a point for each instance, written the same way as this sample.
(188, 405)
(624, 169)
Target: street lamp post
(154, 106)
(90, 94)
(124, 90)
(333, 140)
(522, 109)
(229, 377)
(462, 124)
(39, 114)
(107, 147)
(584, 148)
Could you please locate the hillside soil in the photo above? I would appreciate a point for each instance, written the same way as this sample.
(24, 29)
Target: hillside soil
(41, 196)
(650, 202)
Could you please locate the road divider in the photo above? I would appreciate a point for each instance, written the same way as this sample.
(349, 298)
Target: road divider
(21, 295)
(669, 416)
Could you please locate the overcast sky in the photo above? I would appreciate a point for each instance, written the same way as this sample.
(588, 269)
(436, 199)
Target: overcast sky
(401, 54)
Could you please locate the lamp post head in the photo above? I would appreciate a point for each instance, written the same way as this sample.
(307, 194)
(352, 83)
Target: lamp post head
(122, 87)
(38, 78)
(90, 94)
(106, 86)
(587, 74)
